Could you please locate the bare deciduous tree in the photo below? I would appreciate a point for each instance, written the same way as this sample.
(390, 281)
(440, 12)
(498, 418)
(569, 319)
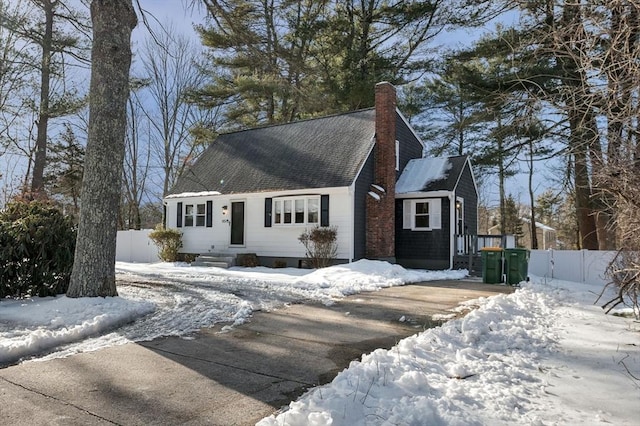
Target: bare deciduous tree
(178, 127)
(136, 162)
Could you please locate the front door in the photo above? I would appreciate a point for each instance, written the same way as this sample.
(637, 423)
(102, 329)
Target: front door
(462, 238)
(237, 223)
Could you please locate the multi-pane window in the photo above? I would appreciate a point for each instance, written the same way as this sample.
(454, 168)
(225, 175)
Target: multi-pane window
(421, 220)
(296, 211)
(194, 214)
(422, 215)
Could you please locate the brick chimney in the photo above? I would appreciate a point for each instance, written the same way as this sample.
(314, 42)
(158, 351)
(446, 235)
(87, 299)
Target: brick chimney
(381, 197)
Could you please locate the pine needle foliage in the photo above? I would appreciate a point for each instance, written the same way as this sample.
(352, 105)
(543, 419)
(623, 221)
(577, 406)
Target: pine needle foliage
(37, 244)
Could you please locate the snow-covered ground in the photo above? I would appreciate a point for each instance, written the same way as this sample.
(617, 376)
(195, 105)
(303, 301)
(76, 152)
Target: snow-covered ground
(168, 299)
(543, 355)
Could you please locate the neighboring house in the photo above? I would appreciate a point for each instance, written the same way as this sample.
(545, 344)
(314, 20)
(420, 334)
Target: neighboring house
(257, 190)
(546, 235)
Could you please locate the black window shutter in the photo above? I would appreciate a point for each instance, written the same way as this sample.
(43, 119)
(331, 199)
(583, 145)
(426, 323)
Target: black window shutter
(268, 202)
(179, 218)
(324, 210)
(164, 216)
(209, 213)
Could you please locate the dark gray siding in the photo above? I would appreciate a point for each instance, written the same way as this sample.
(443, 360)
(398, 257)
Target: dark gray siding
(424, 249)
(365, 179)
(466, 190)
(410, 146)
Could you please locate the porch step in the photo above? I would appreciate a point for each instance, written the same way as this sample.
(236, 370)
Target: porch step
(218, 260)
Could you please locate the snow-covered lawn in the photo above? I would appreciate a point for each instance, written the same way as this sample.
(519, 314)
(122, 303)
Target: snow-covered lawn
(543, 355)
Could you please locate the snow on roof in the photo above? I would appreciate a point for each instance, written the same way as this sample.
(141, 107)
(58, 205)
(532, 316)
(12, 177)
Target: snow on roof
(193, 194)
(379, 188)
(538, 224)
(419, 172)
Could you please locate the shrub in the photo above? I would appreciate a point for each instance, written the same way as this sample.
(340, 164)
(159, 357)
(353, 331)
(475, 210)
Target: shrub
(247, 260)
(624, 274)
(37, 244)
(169, 241)
(186, 257)
(320, 245)
(279, 263)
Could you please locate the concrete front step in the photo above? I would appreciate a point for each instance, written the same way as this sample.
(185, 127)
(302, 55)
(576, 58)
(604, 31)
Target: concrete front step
(210, 264)
(219, 260)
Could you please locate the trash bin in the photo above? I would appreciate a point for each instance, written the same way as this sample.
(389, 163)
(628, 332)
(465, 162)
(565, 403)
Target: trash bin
(516, 265)
(491, 265)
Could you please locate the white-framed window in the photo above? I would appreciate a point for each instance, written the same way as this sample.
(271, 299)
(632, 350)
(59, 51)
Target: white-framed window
(194, 214)
(422, 215)
(397, 156)
(296, 210)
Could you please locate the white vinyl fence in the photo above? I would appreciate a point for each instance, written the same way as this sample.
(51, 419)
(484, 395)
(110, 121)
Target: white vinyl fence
(572, 265)
(135, 246)
(583, 266)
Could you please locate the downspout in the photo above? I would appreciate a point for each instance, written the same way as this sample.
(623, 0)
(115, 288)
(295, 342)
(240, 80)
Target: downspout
(352, 244)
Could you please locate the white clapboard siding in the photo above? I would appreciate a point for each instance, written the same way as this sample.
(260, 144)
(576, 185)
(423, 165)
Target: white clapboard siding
(276, 241)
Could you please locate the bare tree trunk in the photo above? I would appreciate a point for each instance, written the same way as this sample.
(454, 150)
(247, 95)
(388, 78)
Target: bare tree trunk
(533, 228)
(37, 181)
(501, 177)
(579, 109)
(94, 266)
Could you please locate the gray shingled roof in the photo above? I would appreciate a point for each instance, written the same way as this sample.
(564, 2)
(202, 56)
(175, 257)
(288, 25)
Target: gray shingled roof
(448, 183)
(317, 153)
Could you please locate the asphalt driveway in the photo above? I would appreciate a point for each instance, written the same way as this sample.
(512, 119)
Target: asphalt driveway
(233, 378)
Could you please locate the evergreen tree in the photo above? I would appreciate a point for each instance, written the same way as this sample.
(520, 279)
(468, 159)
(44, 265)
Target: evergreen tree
(262, 68)
(444, 112)
(277, 61)
(512, 220)
(40, 25)
(65, 168)
(491, 77)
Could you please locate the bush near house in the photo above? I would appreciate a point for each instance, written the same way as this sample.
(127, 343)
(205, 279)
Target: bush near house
(37, 244)
(169, 241)
(320, 245)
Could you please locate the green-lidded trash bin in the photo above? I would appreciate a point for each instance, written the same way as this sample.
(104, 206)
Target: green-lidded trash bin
(491, 265)
(516, 265)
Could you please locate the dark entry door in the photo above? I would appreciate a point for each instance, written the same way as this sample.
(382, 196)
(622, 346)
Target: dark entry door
(237, 223)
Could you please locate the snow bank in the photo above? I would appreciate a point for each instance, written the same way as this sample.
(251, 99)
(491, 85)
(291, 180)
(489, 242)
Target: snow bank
(538, 356)
(38, 324)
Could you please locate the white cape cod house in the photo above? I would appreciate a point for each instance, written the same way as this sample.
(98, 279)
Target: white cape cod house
(257, 190)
